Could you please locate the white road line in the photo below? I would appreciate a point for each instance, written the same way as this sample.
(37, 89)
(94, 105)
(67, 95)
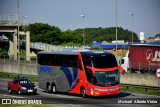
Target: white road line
(11, 96)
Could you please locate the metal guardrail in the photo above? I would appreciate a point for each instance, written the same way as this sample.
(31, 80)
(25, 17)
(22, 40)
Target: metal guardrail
(141, 86)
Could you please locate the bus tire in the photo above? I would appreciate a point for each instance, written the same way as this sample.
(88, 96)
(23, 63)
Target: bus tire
(49, 88)
(54, 88)
(83, 92)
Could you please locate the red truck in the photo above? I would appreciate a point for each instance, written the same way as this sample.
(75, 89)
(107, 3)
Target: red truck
(142, 57)
(21, 86)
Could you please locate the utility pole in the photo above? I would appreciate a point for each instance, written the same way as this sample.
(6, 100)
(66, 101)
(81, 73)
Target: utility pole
(132, 25)
(116, 28)
(18, 39)
(83, 29)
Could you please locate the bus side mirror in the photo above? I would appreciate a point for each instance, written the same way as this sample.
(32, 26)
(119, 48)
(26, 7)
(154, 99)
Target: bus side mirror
(90, 68)
(121, 70)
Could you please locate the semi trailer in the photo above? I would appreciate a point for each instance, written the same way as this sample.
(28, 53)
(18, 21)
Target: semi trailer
(142, 57)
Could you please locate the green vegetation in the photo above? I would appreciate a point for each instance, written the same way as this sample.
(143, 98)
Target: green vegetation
(3, 51)
(106, 34)
(157, 35)
(53, 35)
(45, 33)
(11, 76)
(140, 90)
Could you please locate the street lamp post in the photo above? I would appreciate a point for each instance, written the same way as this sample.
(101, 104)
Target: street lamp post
(18, 38)
(83, 29)
(24, 29)
(24, 23)
(132, 24)
(116, 28)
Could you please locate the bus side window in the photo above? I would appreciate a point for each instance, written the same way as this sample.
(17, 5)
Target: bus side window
(58, 60)
(89, 76)
(79, 64)
(72, 61)
(86, 60)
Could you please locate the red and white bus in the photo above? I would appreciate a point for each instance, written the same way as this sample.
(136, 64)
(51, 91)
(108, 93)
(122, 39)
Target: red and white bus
(85, 72)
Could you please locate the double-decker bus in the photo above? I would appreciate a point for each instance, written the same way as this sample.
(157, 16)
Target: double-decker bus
(85, 72)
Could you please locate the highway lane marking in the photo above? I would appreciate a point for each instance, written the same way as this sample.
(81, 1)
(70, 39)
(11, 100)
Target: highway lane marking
(11, 96)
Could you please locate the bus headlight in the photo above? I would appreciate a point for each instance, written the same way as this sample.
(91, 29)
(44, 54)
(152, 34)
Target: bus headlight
(92, 92)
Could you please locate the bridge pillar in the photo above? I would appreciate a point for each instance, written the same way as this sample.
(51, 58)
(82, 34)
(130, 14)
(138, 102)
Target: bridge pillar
(12, 52)
(27, 34)
(27, 46)
(15, 45)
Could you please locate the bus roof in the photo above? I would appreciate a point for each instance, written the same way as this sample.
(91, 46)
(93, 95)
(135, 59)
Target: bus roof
(74, 52)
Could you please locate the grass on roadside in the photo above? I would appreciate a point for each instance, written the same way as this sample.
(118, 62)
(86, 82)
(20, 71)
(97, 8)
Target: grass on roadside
(11, 76)
(140, 90)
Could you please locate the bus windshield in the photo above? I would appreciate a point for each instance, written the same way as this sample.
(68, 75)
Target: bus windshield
(107, 78)
(104, 61)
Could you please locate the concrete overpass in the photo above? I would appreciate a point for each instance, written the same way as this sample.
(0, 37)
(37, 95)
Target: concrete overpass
(9, 31)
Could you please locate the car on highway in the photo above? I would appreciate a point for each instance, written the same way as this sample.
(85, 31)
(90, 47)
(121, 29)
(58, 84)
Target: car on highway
(21, 86)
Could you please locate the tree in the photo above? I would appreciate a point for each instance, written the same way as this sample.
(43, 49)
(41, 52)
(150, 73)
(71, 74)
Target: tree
(53, 35)
(70, 36)
(107, 34)
(44, 33)
(157, 35)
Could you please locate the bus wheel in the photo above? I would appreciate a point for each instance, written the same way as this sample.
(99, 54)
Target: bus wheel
(49, 88)
(54, 88)
(83, 93)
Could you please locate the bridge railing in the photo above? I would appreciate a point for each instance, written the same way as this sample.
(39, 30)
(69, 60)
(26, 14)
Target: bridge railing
(44, 46)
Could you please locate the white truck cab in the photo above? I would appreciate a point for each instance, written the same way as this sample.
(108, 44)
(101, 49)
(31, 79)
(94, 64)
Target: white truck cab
(125, 62)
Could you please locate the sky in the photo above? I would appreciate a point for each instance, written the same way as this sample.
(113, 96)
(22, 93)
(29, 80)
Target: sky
(65, 14)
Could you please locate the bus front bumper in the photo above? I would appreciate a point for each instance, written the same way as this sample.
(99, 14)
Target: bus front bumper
(104, 92)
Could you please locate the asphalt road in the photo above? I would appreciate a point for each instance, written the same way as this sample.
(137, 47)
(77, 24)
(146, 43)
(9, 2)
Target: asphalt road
(64, 100)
